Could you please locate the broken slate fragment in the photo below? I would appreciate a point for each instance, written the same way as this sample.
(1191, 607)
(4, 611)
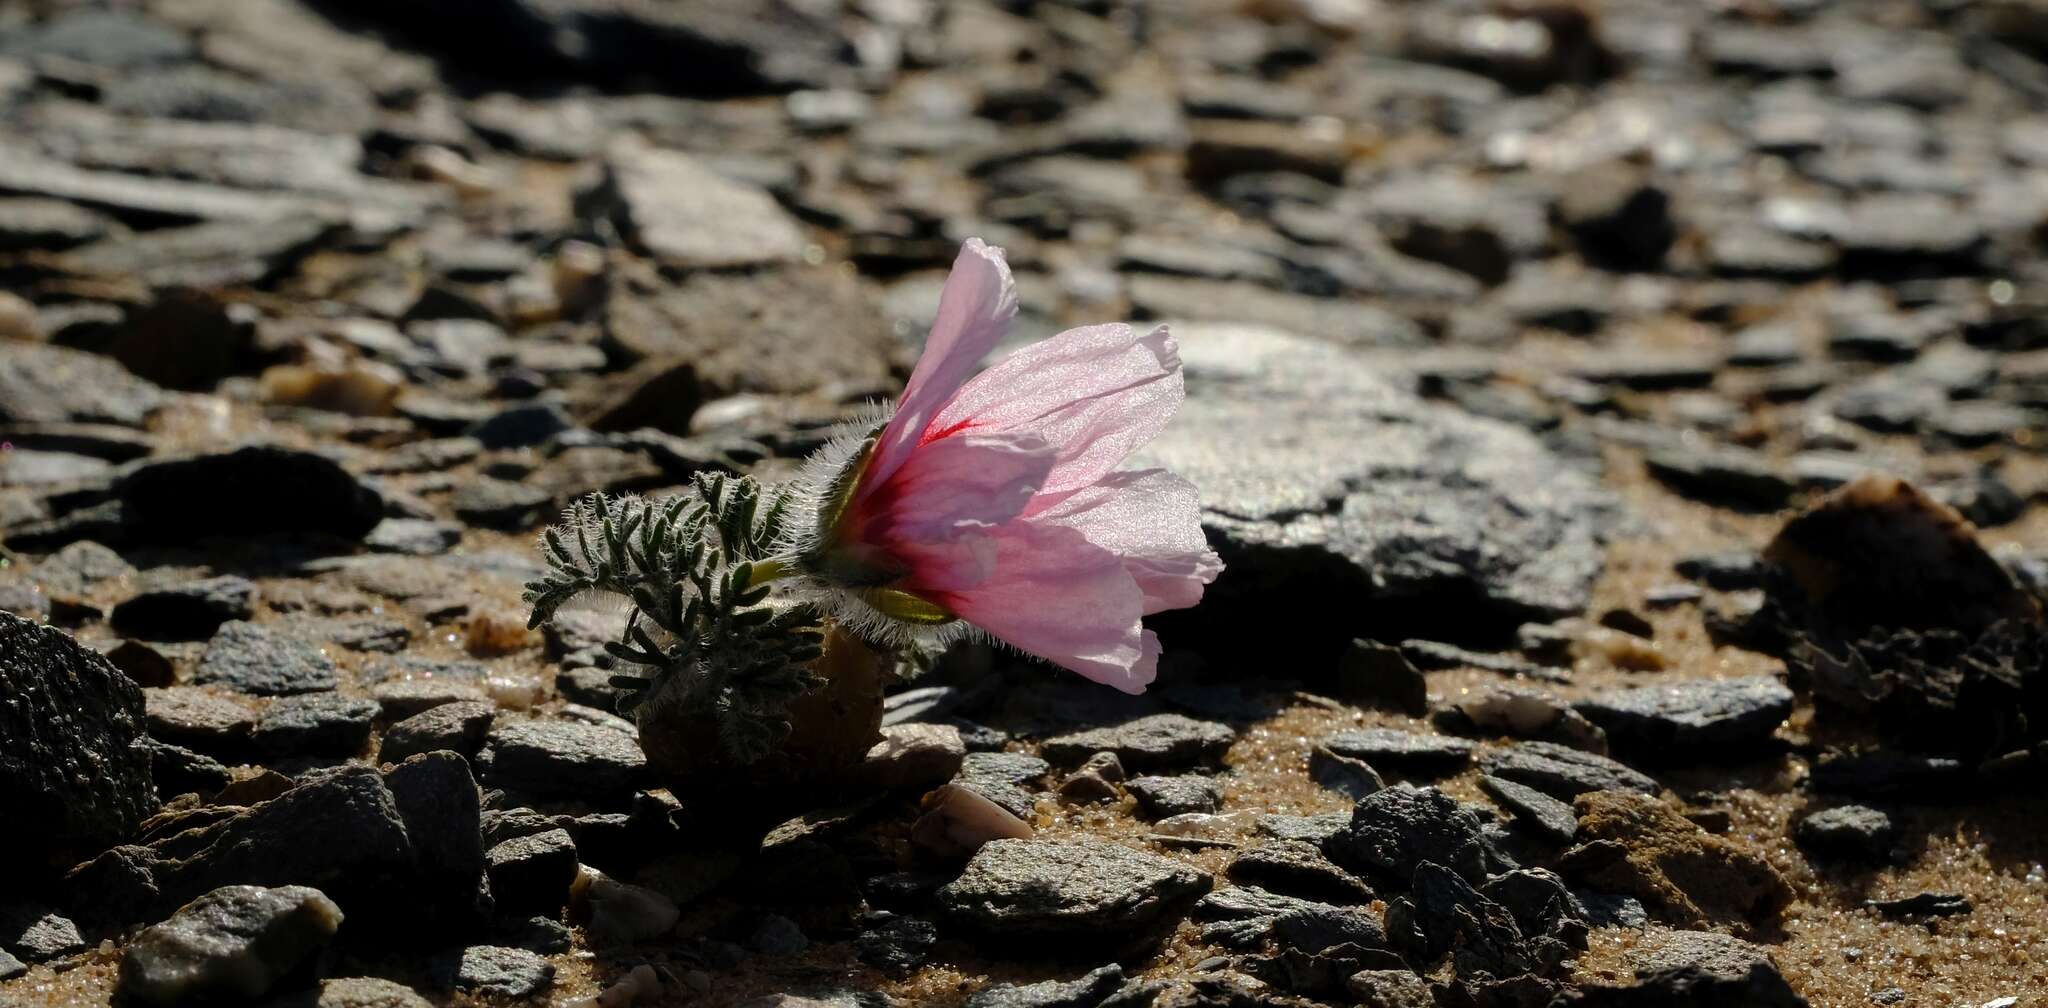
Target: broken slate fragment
(1563, 772)
(1706, 717)
(1068, 892)
(253, 658)
(231, 945)
(1160, 741)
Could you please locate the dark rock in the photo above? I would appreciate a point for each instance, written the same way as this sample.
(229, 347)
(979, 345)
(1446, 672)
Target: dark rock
(1159, 741)
(501, 504)
(1737, 476)
(1695, 969)
(52, 384)
(459, 727)
(437, 800)
(1403, 752)
(568, 758)
(37, 933)
(253, 658)
(1438, 655)
(493, 969)
(1353, 778)
(1923, 905)
(1394, 830)
(1096, 781)
(316, 724)
(894, 943)
(73, 756)
(1540, 813)
(1299, 868)
(1389, 988)
(1857, 832)
(74, 571)
(190, 610)
(1618, 220)
(1444, 913)
(1160, 797)
(177, 770)
(521, 426)
(1564, 772)
(355, 992)
(1447, 526)
(1710, 717)
(198, 717)
(1247, 917)
(1884, 774)
(1373, 673)
(1068, 892)
(247, 492)
(1089, 991)
(777, 935)
(532, 873)
(231, 945)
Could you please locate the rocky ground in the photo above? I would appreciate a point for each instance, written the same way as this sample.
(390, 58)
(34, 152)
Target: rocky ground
(1537, 357)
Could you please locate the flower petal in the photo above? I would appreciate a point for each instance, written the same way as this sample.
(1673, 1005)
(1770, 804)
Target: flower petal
(1050, 592)
(1152, 519)
(968, 482)
(975, 309)
(1097, 393)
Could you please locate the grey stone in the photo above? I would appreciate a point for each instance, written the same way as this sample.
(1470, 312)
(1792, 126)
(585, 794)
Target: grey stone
(1158, 741)
(532, 873)
(53, 384)
(198, 717)
(501, 504)
(493, 969)
(11, 967)
(1389, 989)
(1404, 752)
(1707, 717)
(37, 933)
(1160, 797)
(214, 254)
(413, 537)
(1540, 813)
(459, 727)
(1069, 891)
(74, 759)
(316, 724)
(1857, 832)
(777, 935)
(685, 214)
(1563, 772)
(1353, 778)
(232, 944)
(1298, 867)
(355, 992)
(1087, 991)
(894, 943)
(1695, 969)
(1408, 511)
(562, 758)
(254, 659)
(1247, 917)
(1003, 778)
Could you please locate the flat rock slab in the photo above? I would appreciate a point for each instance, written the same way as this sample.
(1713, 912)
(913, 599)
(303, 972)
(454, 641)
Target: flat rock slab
(249, 491)
(562, 758)
(53, 384)
(1321, 479)
(1403, 752)
(681, 212)
(1160, 741)
(1068, 891)
(1703, 717)
(74, 759)
(254, 659)
(1564, 772)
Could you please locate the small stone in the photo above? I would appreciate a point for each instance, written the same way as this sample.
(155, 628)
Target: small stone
(459, 727)
(1405, 752)
(777, 935)
(248, 492)
(1068, 891)
(532, 873)
(1370, 672)
(1705, 717)
(1539, 812)
(1160, 797)
(36, 933)
(1353, 778)
(1856, 832)
(1158, 741)
(681, 212)
(1389, 989)
(11, 967)
(1089, 991)
(1696, 968)
(355, 992)
(40, 383)
(493, 969)
(562, 758)
(1564, 772)
(915, 755)
(198, 717)
(413, 537)
(894, 943)
(1096, 781)
(318, 724)
(232, 944)
(501, 504)
(959, 819)
(621, 913)
(1394, 830)
(255, 659)
(1299, 868)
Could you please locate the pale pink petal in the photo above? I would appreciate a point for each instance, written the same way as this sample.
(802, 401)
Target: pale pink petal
(971, 481)
(1097, 393)
(975, 309)
(1152, 519)
(1052, 593)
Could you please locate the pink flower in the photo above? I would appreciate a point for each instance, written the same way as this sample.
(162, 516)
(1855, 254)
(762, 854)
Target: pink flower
(995, 501)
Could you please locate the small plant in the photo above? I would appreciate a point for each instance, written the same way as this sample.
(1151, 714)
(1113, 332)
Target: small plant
(983, 506)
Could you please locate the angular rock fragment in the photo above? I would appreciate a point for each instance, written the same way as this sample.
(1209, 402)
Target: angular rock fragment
(1068, 892)
(230, 945)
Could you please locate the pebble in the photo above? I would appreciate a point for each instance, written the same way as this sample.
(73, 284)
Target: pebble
(232, 944)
